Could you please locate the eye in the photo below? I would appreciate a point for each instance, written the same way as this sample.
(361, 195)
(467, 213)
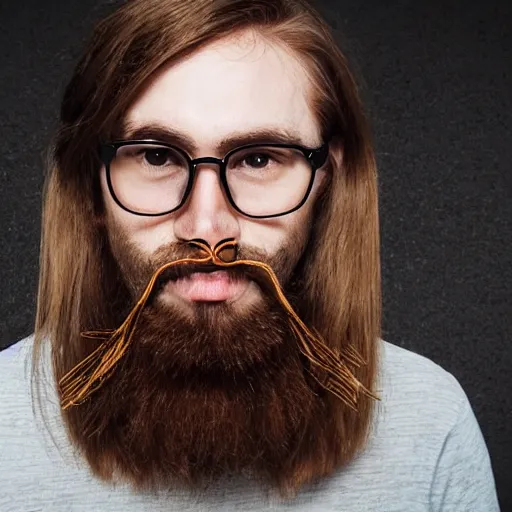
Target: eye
(257, 160)
(157, 156)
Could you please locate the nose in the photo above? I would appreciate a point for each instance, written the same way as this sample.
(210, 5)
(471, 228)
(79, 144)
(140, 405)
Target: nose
(207, 213)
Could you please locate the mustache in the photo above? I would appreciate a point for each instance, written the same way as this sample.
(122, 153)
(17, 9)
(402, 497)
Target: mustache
(181, 251)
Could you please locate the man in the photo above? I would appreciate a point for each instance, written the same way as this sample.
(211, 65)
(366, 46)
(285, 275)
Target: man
(207, 334)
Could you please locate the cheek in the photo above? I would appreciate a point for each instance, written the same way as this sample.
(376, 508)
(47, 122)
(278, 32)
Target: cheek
(271, 235)
(148, 233)
(291, 230)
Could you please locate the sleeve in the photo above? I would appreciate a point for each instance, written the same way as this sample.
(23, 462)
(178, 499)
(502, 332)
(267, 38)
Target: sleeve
(463, 480)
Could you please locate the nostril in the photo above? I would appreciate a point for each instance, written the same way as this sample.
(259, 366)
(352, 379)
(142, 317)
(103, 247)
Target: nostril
(203, 246)
(226, 250)
(199, 242)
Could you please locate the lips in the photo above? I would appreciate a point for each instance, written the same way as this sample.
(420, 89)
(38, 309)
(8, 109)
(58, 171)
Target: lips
(207, 285)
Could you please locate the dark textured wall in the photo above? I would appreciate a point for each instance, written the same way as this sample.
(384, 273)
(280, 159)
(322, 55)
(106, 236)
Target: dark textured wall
(436, 77)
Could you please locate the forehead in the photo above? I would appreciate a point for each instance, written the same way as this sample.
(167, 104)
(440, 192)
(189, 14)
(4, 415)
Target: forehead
(230, 87)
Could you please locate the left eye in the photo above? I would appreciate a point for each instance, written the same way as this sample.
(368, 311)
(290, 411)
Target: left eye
(257, 160)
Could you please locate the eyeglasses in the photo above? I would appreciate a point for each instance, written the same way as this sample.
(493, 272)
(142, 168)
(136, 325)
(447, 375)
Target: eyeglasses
(150, 178)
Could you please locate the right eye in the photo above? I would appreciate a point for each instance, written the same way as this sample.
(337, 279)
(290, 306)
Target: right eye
(158, 156)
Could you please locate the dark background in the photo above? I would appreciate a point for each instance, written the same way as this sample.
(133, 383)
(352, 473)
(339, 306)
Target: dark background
(436, 78)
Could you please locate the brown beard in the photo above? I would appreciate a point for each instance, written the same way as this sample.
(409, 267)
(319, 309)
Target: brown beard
(163, 421)
(209, 334)
(220, 393)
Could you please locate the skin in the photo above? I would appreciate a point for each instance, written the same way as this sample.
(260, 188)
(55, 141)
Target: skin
(227, 89)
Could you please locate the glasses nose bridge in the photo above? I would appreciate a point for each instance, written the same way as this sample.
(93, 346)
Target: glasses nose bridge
(221, 173)
(207, 160)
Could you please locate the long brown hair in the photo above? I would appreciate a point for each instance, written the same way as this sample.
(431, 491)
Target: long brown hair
(340, 268)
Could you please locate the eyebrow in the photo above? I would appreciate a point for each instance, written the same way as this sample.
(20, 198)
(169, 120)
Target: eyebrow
(168, 135)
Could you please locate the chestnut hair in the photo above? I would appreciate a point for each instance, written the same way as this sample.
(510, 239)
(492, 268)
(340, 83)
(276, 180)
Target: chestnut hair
(340, 268)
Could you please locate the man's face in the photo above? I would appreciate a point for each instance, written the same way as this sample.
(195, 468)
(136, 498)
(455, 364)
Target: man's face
(214, 380)
(225, 91)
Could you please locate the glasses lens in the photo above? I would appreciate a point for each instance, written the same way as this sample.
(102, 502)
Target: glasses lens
(266, 180)
(148, 178)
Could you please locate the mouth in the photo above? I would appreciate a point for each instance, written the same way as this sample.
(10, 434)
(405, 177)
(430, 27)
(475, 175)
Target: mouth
(205, 283)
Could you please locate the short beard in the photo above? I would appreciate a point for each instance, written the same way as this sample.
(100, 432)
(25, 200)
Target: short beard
(220, 394)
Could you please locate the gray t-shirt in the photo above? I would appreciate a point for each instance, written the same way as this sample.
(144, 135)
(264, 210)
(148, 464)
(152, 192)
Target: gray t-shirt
(426, 453)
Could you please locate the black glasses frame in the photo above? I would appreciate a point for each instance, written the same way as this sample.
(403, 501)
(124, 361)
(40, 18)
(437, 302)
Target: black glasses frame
(315, 156)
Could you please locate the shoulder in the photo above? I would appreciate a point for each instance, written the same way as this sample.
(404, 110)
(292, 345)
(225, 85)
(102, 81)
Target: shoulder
(15, 371)
(426, 410)
(16, 389)
(420, 402)
(14, 348)
(15, 400)
(400, 362)
(15, 363)
(410, 380)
